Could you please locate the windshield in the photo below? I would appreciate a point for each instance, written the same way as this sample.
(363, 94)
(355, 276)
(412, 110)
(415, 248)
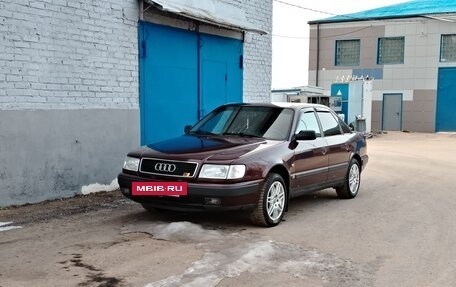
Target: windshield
(247, 121)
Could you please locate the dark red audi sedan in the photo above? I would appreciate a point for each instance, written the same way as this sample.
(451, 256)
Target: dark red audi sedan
(248, 156)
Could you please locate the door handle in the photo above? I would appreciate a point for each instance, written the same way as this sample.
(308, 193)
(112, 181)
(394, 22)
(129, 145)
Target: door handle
(324, 150)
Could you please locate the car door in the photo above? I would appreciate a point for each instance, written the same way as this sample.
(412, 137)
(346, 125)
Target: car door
(310, 165)
(338, 150)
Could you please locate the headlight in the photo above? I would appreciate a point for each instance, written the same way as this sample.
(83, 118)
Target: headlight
(131, 163)
(216, 171)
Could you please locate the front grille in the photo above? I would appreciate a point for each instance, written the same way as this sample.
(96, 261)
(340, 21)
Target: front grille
(168, 167)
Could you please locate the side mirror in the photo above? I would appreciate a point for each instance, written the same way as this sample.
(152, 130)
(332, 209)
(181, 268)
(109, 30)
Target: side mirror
(305, 136)
(187, 129)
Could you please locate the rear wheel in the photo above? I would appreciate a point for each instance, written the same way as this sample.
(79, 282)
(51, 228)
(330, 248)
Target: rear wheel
(271, 203)
(352, 181)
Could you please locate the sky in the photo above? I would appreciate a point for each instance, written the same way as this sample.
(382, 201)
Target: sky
(290, 34)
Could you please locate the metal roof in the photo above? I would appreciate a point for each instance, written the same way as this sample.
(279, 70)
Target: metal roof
(218, 14)
(415, 8)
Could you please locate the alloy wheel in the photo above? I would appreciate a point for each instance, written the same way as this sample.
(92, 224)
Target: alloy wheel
(275, 201)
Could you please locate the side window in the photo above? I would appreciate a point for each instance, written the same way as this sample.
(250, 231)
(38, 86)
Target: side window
(308, 122)
(329, 124)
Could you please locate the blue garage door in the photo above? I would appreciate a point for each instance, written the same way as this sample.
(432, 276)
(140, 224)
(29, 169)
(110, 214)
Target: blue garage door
(221, 71)
(446, 100)
(183, 76)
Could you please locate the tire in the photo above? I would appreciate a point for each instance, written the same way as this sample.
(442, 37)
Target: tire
(352, 182)
(271, 202)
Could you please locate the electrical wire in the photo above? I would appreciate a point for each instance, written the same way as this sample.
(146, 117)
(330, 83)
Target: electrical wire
(348, 17)
(291, 37)
(315, 10)
(358, 18)
(326, 37)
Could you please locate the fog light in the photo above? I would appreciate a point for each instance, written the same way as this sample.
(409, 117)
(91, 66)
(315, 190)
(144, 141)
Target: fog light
(125, 190)
(212, 201)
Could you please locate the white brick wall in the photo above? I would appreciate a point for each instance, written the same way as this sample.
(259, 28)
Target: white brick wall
(257, 51)
(75, 54)
(80, 54)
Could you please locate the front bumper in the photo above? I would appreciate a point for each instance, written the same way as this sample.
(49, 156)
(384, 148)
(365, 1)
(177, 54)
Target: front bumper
(200, 196)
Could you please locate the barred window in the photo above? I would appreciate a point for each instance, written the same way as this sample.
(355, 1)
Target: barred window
(347, 52)
(391, 50)
(448, 48)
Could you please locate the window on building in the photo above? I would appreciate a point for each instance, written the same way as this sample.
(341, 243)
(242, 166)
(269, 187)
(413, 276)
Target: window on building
(347, 52)
(448, 48)
(391, 50)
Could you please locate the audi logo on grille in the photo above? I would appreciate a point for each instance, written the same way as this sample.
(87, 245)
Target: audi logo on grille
(165, 167)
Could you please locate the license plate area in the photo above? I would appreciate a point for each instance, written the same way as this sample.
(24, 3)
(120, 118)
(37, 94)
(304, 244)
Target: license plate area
(160, 188)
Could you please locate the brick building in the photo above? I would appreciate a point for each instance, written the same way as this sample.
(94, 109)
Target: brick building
(80, 82)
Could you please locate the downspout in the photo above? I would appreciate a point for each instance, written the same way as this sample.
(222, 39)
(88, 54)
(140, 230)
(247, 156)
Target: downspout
(318, 55)
(141, 10)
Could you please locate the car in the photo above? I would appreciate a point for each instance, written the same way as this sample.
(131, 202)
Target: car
(248, 156)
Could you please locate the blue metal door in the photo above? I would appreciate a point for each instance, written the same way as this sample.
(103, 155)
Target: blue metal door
(168, 81)
(341, 90)
(221, 71)
(184, 75)
(446, 100)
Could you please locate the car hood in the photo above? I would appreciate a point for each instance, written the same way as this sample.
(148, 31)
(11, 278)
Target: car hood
(203, 147)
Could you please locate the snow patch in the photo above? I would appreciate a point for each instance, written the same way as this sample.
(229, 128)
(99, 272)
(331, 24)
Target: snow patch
(4, 226)
(96, 187)
(183, 231)
(236, 256)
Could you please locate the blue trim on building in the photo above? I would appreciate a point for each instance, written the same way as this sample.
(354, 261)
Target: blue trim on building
(374, 73)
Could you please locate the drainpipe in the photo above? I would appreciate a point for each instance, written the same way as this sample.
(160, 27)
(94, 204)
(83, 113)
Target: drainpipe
(141, 10)
(318, 55)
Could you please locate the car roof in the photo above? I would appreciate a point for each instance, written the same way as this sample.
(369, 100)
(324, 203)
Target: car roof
(296, 106)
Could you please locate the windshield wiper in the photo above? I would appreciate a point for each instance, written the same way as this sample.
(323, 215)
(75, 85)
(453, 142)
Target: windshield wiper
(246, 135)
(202, 133)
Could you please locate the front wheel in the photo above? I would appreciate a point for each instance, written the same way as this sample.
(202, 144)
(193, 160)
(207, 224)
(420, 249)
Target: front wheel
(271, 202)
(352, 181)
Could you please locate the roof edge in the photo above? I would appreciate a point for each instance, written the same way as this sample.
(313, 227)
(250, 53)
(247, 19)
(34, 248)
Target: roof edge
(206, 12)
(353, 19)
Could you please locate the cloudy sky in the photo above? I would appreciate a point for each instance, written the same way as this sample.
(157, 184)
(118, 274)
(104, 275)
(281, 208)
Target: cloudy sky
(290, 35)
